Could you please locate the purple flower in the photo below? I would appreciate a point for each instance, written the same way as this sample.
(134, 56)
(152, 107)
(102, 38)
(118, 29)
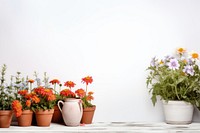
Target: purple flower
(173, 64)
(167, 58)
(190, 61)
(189, 70)
(153, 62)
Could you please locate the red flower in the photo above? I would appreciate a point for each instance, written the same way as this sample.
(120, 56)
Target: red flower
(23, 92)
(67, 93)
(31, 81)
(17, 108)
(80, 92)
(69, 84)
(39, 90)
(28, 96)
(54, 81)
(87, 80)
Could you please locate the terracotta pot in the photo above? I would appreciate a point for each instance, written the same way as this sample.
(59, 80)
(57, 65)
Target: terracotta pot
(57, 115)
(71, 111)
(25, 119)
(88, 114)
(44, 117)
(5, 118)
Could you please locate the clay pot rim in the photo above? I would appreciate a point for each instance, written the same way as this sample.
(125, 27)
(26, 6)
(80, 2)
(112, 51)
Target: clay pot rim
(27, 111)
(51, 111)
(5, 112)
(90, 108)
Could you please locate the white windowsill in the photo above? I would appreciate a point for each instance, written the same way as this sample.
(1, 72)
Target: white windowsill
(110, 127)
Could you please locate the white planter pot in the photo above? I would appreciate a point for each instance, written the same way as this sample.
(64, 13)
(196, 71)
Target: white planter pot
(71, 111)
(178, 112)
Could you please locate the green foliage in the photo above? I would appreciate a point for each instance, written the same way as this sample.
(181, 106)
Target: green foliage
(58, 97)
(86, 103)
(174, 84)
(5, 92)
(43, 105)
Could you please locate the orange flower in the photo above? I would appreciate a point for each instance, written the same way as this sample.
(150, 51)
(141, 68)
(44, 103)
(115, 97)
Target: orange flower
(90, 93)
(55, 81)
(17, 108)
(28, 103)
(22, 92)
(69, 84)
(87, 80)
(35, 99)
(31, 81)
(80, 92)
(195, 55)
(90, 97)
(181, 50)
(51, 97)
(67, 93)
(43, 91)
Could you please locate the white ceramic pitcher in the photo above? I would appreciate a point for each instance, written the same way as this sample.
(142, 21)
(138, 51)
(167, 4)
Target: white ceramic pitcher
(72, 111)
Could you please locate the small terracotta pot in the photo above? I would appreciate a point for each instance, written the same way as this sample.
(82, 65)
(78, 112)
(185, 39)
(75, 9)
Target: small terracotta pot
(25, 119)
(88, 114)
(5, 118)
(57, 115)
(44, 117)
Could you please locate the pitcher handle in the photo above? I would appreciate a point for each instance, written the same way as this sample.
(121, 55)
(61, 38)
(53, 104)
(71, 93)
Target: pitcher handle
(80, 105)
(60, 101)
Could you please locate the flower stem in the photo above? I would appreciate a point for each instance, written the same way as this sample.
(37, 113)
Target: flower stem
(55, 87)
(86, 90)
(177, 93)
(30, 87)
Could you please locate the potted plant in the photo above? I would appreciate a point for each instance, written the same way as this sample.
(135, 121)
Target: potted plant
(5, 101)
(87, 97)
(176, 79)
(57, 115)
(43, 105)
(21, 97)
(22, 108)
(72, 106)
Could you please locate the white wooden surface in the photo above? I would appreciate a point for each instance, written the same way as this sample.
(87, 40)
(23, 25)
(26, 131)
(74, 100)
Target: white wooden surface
(118, 127)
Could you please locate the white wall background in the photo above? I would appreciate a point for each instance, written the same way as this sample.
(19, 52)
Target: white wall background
(111, 40)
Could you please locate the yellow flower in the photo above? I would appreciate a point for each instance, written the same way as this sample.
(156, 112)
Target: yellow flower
(195, 55)
(161, 62)
(181, 50)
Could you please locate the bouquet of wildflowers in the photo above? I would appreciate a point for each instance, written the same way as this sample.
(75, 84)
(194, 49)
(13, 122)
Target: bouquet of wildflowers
(175, 77)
